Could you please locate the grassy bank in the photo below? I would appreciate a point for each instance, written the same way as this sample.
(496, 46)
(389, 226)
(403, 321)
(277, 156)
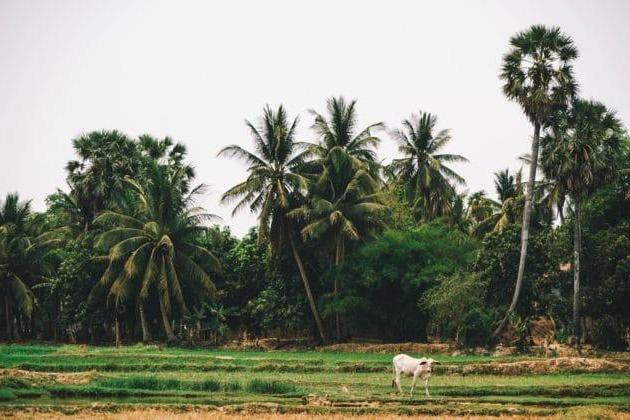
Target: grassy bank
(71, 378)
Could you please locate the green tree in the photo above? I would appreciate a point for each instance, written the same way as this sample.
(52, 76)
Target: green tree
(274, 185)
(344, 205)
(430, 182)
(337, 131)
(24, 260)
(385, 279)
(492, 216)
(97, 177)
(152, 249)
(580, 154)
(538, 75)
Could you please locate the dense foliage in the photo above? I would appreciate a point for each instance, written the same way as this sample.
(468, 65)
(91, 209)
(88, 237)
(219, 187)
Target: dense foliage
(345, 246)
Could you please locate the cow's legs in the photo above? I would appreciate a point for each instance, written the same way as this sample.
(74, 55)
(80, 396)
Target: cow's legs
(413, 383)
(426, 387)
(398, 381)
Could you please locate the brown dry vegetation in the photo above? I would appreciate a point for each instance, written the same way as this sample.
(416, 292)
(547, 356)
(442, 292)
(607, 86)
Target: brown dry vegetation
(555, 365)
(164, 414)
(43, 378)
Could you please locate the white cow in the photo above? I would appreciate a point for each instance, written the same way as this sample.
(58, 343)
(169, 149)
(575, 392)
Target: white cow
(413, 367)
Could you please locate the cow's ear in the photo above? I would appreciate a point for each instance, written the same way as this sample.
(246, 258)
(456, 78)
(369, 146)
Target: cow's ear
(424, 362)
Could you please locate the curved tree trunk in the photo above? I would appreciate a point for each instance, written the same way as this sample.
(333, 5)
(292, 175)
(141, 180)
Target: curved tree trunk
(307, 289)
(168, 329)
(577, 247)
(146, 331)
(527, 213)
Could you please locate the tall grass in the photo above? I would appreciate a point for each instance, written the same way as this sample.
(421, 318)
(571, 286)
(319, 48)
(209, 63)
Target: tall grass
(260, 386)
(154, 383)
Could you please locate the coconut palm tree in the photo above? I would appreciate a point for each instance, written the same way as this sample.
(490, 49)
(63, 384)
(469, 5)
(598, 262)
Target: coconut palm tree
(339, 131)
(423, 168)
(24, 259)
(580, 154)
(273, 187)
(538, 75)
(493, 216)
(151, 248)
(505, 185)
(344, 205)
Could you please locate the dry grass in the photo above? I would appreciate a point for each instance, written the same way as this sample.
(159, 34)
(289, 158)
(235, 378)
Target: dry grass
(389, 348)
(556, 365)
(80, 378)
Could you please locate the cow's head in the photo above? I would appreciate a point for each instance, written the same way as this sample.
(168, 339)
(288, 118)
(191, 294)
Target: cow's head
(427, 364)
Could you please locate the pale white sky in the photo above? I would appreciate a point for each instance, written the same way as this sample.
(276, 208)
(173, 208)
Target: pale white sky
(194, 70)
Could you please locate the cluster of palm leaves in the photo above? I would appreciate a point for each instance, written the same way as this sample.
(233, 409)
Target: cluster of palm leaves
(331, 192)
(25, 260)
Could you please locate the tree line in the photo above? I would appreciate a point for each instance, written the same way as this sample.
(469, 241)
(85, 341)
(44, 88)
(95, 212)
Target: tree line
(345, 245)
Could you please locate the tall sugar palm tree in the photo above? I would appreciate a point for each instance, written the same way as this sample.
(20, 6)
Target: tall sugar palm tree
(273, 187)
(430, 182)
(97, 177)
(338, 130)
(151, 247)
(344, 205)
(580, 153)
(538, 75)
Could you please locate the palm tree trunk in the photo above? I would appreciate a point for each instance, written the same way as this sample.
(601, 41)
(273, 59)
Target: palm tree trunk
(307, 289)
(170, 335)
(577, 247)
(527, 213)
(146, 332)
(7, 314)
(338, 258)
(117, 331)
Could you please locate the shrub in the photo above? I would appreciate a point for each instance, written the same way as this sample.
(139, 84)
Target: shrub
(6, 395)
(476, 328)
(452, 300)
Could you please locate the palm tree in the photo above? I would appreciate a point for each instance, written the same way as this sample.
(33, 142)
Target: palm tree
(422, 168)
(98, 176)
(580, 154)
(338, 131)
(538, 75)
(151, 249)
(273, 187)
(505, 185)
(494, 216)
(24, 259)
(345, 205)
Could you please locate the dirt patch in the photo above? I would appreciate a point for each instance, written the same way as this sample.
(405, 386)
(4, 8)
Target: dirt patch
(389, 348)
(318, 400)
(79, 378)
(556, 365)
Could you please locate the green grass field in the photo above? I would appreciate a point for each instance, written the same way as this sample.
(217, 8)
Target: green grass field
(67, 378)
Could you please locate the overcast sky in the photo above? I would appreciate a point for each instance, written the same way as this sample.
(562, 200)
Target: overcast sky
(194, 70)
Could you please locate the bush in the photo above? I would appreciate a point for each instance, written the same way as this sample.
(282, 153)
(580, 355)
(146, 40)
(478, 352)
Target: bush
(476, 328)
(452, 300)
(6, 395)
